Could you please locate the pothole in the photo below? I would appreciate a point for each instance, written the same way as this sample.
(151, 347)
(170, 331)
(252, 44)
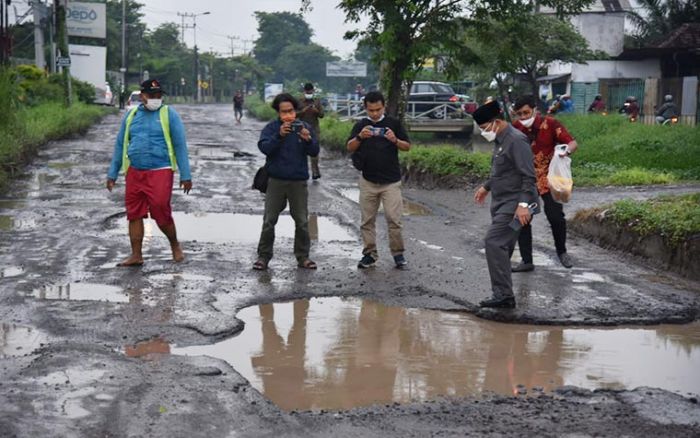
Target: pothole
(238, 228)
(410, 208)
(18, 340)
(82, 292)
(11, 271)
(337, 353)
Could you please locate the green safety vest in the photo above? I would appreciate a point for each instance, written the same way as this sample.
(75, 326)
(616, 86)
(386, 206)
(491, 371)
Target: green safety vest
(164, 123)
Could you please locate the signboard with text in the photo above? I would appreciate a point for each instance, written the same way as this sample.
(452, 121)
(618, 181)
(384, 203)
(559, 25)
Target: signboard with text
(346, 69)
(86, 19)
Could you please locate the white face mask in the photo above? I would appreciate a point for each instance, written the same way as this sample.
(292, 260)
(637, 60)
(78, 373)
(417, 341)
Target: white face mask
(528, 122)
(488, 135)
(308, 96)
(153, 104)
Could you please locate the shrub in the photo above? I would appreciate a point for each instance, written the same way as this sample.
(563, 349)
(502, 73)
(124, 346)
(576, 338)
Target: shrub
(335, 132)
(675, 218)
(259, 108)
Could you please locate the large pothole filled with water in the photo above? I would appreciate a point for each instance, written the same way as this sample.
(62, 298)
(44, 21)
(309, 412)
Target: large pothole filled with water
(340, 353)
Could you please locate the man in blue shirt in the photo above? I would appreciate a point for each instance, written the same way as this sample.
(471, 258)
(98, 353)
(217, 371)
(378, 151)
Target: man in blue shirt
(150, 146)
(286, 143)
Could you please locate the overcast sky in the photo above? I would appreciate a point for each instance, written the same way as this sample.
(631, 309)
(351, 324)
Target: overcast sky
(235, 18)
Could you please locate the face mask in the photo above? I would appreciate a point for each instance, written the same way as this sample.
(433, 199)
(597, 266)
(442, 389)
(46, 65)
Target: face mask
(528, 122)
(308, 96)
(488, 135)
(153, 104)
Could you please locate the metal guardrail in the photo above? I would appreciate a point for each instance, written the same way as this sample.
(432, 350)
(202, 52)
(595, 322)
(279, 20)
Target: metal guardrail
(438, 118)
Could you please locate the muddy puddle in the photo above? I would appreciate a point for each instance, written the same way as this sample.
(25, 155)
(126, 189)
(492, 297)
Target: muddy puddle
(409, 208)
(18, 340)
(11, 271)
(238, 228)
(82, 292)
(333, 353)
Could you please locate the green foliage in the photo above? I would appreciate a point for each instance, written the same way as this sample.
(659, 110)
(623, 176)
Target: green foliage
(613, 151)
(447, 160)
(35, 126)
(659, 18)
(335, 133)
(259, 108)
(278, 30)
(9, 98)
(675, 218)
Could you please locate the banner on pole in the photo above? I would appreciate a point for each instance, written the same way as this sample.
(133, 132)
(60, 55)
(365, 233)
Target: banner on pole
(346, 69)
(86, 19)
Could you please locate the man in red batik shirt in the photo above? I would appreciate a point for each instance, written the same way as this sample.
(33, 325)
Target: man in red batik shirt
(544, 133)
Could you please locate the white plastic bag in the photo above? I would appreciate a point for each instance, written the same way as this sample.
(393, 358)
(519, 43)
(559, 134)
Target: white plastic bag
(559, 177)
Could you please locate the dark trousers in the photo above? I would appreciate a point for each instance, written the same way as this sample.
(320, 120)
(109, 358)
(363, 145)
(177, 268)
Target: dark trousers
(500, 243)
(279, 192)
(555, 215)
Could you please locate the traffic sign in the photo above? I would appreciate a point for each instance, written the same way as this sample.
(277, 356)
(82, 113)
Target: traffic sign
(62, 61)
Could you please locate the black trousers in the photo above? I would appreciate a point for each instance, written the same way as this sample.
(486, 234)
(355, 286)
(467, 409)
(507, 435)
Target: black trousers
(555, 215)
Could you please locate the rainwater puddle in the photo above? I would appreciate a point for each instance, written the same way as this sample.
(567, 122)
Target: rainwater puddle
(82, 292)
(8, 223)
(11, 204)
(17, 340)
(409, 208)
(239, 228)
(183, 276)
(11, 271)
(334, 353)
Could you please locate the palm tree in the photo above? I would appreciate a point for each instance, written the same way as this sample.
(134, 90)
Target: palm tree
(661, 17)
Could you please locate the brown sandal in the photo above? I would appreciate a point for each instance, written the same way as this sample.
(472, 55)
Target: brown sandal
(260, 265)
(308, 264)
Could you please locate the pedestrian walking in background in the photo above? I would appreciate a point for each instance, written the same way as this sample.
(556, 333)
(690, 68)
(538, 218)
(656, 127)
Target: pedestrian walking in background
(543, 134)
(238, 105)
(513, 190)
(311, 112)
(377, 140)
(286, 143)
(150, 146)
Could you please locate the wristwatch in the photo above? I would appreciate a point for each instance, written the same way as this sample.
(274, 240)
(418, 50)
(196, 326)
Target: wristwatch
(522, 204)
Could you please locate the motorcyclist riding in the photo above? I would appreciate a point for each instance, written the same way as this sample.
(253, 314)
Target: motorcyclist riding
(631, 108)
(668, 110)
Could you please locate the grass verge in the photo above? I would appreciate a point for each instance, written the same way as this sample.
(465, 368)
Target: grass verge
(675, 218)
(259, 109)
(35, 126)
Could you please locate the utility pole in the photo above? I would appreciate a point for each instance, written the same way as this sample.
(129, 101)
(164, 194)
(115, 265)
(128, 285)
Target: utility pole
(4, 32)
(197, 74)
(232, 39)
(39, 13)
(123, 67)
(64, 52)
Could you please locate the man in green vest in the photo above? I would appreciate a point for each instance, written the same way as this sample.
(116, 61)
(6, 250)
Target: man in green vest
(150, 146)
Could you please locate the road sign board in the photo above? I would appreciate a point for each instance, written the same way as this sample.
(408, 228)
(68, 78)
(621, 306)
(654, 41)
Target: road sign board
(62, 61)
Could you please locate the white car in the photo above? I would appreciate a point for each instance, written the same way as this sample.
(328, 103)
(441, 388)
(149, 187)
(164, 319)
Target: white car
(104, 96)
(134, 100)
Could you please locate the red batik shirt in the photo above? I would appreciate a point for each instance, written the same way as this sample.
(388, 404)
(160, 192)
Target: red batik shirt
(544, 134)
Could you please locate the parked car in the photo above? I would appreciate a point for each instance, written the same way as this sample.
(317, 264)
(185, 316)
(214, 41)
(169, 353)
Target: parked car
(134, 100)
(436, 96)
(104, 96)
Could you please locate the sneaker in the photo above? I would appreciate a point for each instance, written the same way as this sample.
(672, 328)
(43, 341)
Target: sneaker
(400, 261)
(367, 262)
(565, 260)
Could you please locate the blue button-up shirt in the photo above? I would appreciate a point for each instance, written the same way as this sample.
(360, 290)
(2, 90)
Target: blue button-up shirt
(147, 148)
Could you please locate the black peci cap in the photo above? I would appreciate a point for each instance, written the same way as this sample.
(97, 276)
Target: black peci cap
(486, 112)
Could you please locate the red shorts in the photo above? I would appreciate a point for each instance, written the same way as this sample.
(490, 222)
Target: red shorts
(149, 191)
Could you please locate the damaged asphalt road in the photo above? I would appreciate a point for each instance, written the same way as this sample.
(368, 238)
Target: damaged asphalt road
(80, 353)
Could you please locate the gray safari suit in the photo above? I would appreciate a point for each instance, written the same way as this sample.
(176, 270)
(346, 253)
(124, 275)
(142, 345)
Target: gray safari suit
(512, 181)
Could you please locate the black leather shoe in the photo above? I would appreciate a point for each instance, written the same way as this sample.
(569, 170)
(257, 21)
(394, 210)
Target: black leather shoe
(565, 260)
(523, 267)
(499, 302)
(316, 175)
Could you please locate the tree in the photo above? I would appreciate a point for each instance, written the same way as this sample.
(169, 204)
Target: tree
(408, 31)
(306, 62)
(662, 17)
(278, 30)
(519, 45)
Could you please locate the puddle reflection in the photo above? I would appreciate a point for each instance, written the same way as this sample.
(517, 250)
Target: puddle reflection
(409, 208)
(334, 353)
(11, 271)
(148, 350)
(17, 340)
(82, 292)
(240, 228)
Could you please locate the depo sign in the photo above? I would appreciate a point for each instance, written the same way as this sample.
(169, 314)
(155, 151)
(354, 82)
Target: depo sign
(87, 19)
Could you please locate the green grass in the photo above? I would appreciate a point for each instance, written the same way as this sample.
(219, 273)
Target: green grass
(259, 108)
(35, 126)
(613, 151)
(675, 218)
(447, 160)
